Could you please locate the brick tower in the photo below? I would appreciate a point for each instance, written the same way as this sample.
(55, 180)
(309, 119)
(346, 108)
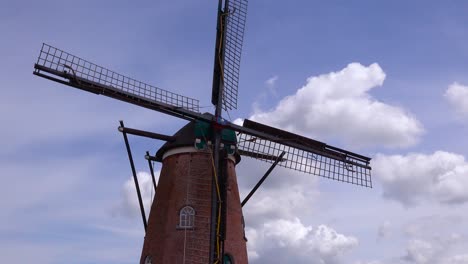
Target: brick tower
(179, 223)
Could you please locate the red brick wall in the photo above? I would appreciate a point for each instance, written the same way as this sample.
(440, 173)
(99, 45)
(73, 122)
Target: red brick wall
(234, 245)
(186, 180)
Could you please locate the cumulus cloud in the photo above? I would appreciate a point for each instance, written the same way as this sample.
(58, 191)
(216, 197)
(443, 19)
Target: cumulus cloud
(435, 251)
(267, 205)
(274, 217)
(129, 206)
(289, 241)
(238, 121)
(420, 252)
(284, 195)
(285, 232)
(457, 95)
(338, 104)
(431, 239)
(414, 178)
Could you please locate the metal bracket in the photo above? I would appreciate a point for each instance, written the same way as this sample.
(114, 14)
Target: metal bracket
(246, 199)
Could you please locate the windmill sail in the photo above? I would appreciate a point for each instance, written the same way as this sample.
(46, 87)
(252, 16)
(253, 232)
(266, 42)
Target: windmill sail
(229, 40)
(304, 154)
(254, 139)
(234, 38)
(63, 67)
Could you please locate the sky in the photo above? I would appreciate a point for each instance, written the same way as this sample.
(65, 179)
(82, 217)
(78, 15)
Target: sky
(386, 79)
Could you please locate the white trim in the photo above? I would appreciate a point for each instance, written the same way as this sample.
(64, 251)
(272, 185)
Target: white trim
(179, 150)
(189, 149)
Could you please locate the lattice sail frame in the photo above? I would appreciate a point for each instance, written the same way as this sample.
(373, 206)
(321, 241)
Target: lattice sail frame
(349, 170)
(54, 60)
(234, 37)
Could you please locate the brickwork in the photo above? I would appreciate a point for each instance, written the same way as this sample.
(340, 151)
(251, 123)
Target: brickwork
(186, 179)
(235, 244)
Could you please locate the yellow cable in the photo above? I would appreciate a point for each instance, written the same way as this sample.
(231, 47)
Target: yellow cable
(218, 193)
(218, 225)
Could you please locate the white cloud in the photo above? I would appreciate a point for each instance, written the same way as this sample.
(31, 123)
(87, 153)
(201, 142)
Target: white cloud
(280, 202)
(238, 121)
(435, 239)
(339, 104)
(285, 232)
(445, 228)
(411, 179)
(431, 239)
(331, 244)
(289, 241)
(457, 95)
(285, 194)
(129, 205)
(275, 230)
(438, 250)
(420, 252)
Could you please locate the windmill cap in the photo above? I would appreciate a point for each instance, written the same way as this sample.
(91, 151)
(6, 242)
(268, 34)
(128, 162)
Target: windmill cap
(188, 134)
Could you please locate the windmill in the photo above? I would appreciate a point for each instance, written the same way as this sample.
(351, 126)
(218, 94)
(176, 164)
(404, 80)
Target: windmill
(196, 216)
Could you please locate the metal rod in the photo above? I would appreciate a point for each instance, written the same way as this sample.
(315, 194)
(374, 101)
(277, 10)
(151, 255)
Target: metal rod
(262, 179)
(152, 172)
(151, 158)
(135, 179)
(147, 134)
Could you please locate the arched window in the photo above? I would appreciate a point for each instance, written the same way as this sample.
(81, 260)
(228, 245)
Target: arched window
(148, 260)
(186, 217)
(227, 259)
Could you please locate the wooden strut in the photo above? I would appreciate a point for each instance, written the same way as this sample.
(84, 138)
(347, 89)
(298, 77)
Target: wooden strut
(147, 134)
(152, 172)
(125, 130)
(247, 198)
(135, 179)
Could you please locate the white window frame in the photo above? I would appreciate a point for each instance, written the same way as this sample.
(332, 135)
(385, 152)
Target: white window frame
(186, 217)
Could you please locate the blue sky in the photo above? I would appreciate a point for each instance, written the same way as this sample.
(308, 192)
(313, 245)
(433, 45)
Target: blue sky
(64, 168)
